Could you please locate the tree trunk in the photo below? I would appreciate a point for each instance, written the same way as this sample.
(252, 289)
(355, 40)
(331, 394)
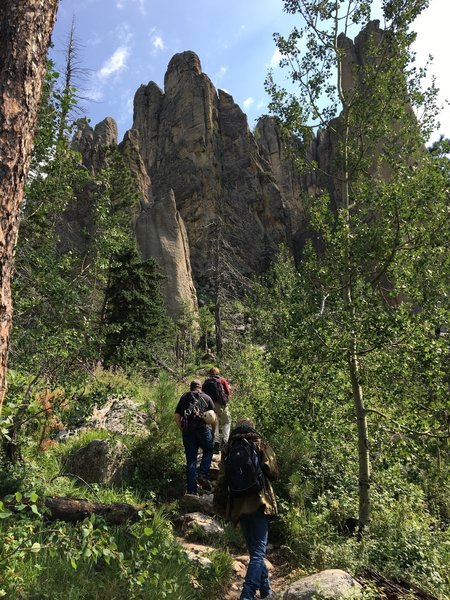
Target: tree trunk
(363, 441)
(352, 352)
(25, 29)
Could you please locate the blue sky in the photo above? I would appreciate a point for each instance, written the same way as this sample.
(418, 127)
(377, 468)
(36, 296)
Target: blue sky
(124, 43)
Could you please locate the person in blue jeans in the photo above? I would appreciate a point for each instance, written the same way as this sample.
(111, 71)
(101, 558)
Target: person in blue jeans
(196, 435)
(253, 511)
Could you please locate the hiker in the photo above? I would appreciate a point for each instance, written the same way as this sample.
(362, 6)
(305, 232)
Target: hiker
(219, 390)
(197, 433)
(244, 495)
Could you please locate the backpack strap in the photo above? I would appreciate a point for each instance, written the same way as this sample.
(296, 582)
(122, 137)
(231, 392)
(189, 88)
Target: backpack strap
(200, 402)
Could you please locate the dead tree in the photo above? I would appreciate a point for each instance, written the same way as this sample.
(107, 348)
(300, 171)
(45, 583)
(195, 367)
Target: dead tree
(229, 281)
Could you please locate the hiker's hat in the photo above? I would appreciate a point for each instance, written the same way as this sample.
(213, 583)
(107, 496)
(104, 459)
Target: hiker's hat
(209, 417)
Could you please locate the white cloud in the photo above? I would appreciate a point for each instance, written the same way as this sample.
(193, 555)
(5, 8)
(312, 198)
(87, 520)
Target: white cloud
(248, 102)
(95, 95)
(432, 39)
(275, 60)
(157, 42)
(120, 4)
(115, 63)
(123, 33)
(220, 75)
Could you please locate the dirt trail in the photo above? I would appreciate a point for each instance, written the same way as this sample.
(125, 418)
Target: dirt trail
(278, 580)
(279, 573)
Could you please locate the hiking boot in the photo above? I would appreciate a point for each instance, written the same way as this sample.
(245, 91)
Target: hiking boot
(204, 483)
(216, 448)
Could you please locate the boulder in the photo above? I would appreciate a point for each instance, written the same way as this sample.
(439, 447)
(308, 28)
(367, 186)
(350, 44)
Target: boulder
(332, 583)
(104, 461)
(199, 522)
(120, 414)
(192, 503)
(199, 558)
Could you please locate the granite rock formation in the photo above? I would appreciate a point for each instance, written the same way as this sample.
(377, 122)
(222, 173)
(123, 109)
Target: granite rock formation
(162, 235)
(195, 141)
(200, 170)
(77, 227)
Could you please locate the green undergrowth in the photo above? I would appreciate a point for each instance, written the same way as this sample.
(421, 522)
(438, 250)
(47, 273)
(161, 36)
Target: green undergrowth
(408, 536)
(91, 560)
(403, 540)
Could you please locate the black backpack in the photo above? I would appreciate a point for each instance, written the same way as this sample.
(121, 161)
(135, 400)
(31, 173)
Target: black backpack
(215, 390)
(243, 470)
(191, 419)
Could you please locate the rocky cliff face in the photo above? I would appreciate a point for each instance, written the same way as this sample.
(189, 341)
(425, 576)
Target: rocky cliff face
(195, 141)
(77, 227)
(200, 171)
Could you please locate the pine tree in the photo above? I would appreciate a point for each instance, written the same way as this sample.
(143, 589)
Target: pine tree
(138, 327)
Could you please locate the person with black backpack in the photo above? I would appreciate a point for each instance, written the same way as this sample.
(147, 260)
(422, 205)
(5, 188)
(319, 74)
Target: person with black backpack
(219, 390)
(244, 495)
(196, 419)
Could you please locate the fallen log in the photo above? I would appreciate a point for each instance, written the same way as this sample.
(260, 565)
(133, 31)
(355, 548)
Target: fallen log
(72, 510)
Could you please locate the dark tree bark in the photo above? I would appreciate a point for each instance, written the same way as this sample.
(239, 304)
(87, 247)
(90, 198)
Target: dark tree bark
(25, 30)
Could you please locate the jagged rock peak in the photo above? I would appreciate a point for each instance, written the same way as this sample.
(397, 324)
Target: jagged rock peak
(161, 235)
(92, 143)
(195, 141)
(370, 31)
(184, 66)
(106, 132)
(357, 52)
(130, 150)
(184, 61)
